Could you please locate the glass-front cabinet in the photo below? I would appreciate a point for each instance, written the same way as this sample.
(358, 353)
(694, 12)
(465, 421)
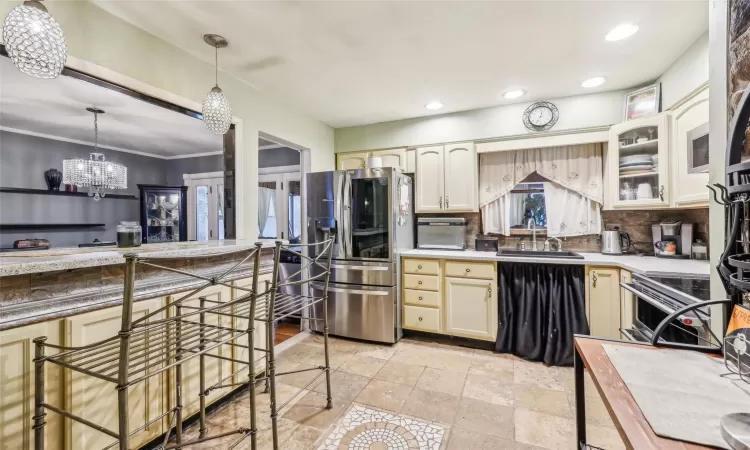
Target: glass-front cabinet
(638, 165)
(163, 213)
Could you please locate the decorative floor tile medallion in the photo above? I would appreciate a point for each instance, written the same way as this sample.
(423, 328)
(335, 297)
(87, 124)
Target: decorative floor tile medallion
(363, 428)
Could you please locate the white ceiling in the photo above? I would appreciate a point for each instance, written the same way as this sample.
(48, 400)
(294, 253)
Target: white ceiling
(357, 62)
(57, 109)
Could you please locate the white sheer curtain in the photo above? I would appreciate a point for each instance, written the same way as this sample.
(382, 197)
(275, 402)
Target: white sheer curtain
(569, 213)
(575, 168)
(266, 196)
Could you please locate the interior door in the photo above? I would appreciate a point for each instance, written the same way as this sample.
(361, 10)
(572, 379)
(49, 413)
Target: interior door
(206, 208)
(284, 217)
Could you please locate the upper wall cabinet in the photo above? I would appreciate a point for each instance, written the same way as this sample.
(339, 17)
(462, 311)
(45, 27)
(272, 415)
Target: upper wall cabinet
(689, 151)
(446, 179)
(391, 158)
(638, 165)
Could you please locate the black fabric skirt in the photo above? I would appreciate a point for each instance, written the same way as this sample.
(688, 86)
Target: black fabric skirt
(541, 307)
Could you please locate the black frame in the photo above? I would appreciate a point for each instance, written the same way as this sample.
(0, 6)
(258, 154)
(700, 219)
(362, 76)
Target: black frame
(555, 116)
(146, 189)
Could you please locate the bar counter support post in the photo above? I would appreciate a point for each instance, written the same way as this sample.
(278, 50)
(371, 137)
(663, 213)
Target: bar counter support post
(580, 396)
(202, 376)
(251, 349)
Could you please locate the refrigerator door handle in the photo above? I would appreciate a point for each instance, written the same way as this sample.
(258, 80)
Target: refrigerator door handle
(347, 215)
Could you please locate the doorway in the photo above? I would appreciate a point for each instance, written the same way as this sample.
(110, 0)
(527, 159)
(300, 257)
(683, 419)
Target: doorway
(205, 205)
(280, 206)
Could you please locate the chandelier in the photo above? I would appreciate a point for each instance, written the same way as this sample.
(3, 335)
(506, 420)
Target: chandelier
(95, 173)
(34, 40)
(217, 115)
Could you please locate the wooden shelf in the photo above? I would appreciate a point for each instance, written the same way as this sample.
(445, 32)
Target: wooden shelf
(649, 174)
(651, 145)
(12, 190)
(47, 226)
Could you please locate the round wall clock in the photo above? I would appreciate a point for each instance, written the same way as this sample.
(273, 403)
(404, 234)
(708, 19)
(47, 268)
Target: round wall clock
(540, 116)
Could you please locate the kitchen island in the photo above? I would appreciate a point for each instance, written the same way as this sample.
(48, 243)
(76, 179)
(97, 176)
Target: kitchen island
(73, 297)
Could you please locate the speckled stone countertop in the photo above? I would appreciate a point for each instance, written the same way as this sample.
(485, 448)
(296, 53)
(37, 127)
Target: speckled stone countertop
(77, 258)
(646, 265)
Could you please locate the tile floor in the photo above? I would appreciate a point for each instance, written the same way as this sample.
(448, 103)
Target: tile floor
(467, 399)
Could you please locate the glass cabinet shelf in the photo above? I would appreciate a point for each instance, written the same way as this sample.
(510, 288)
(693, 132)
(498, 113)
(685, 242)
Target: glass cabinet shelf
(163, 213)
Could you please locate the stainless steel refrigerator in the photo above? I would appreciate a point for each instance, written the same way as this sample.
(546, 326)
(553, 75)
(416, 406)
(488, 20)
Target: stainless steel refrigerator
(369, 213)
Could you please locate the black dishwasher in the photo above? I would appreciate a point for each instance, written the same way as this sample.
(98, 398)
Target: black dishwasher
(540, 308)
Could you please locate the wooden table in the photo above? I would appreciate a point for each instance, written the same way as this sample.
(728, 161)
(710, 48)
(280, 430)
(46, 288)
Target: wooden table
(634, 430)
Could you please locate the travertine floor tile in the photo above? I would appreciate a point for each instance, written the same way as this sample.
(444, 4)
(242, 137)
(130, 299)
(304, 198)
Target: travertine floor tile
(446, 381)
(362, 365)
(491, 365)
(344, 386)
(378, 351)
(384, 394)
(596, 412)
(299, 379)
(489, 390)
(544, 430)
(399, 372)
(302, 438)
(298, 353)
(604, 437)
(568, 380)
(461, 439)
(542, 400)
(430, 405)
(486, 418)
(537, 374)
(310, 411)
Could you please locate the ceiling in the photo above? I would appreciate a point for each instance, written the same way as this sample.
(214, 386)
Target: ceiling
(359, 62)
(57, 109)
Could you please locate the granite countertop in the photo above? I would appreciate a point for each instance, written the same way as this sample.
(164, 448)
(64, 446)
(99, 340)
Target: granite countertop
(646, 265)
(22, 263)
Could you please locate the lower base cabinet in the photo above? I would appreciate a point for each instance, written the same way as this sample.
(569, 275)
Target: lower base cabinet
(95, 399)
(17, 387)
(603, 301)
(470, 306)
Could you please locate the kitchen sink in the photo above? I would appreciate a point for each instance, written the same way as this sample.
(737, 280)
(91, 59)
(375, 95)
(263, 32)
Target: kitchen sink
(538, 254)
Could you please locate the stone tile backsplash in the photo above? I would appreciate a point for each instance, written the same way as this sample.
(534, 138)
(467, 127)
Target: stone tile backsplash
(636, 223)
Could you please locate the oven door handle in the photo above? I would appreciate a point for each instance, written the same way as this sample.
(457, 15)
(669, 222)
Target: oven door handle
(629, 287)
(321, 286)
(373, 268)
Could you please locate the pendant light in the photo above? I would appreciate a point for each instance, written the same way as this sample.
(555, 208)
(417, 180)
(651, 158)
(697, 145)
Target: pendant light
(95, 173)
(34, 40)
(217, 114)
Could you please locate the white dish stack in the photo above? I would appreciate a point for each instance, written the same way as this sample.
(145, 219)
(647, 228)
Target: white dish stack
(637, 173)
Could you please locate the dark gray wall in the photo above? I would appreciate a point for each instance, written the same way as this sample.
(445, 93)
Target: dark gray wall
(175, 168)
(275, 157)
(23, 160)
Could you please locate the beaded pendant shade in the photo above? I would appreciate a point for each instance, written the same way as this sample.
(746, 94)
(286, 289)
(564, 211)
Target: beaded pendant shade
(34, 40)
(217, 115)
(96, 173)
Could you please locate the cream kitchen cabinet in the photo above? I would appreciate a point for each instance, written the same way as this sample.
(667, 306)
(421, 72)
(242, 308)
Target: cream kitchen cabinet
(446, 179)
(471, 308)
(95, 399)
(351, 161)
(259, 335)
(17, 387)
(411, 160)
(395, 157)
(689, 152)
(452, 297)
(603, 301)
(638, 174)
(216, 369)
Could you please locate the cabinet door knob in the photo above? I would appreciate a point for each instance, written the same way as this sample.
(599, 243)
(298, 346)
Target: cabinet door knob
(446, 202)
(420, 298)
(661, 193)
(419, 267)
(420, 319)
(468, 270)
(441, 202)
(419, 282)
(593, 279)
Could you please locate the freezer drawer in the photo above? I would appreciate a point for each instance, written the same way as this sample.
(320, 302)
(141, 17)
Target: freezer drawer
(361, 312)
(361, 272)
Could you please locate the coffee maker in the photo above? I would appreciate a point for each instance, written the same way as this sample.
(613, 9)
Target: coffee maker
(676, 232)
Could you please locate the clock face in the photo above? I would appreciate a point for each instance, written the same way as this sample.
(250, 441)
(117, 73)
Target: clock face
(540, 116)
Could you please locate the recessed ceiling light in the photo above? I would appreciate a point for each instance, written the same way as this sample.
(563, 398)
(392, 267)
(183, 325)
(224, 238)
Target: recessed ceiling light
(622, 31)
(434, 105)
(514, 94)
(593, 82)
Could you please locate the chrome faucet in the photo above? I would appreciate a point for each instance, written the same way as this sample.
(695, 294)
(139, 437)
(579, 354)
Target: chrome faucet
(532, 225)
(547, 247)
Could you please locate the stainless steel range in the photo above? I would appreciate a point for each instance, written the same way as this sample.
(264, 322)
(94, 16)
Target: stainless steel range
(369, 214)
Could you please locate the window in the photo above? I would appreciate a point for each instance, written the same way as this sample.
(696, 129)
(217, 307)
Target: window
(527, 202)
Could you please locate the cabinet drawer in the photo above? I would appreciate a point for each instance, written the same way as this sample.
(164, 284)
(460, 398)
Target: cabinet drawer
(466, 269)
(422, 266)
(422, 298)
(422, 282)
(427, 319)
